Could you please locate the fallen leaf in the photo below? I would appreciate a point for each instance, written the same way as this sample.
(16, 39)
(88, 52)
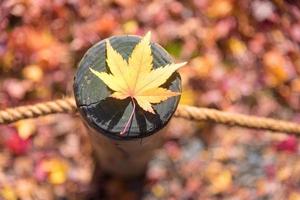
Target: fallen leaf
(221, 182)
(296, 85)
(25, 128)
(237, 47)
(284, 173)
(33, 73)
(17, 145)
(135, 78)
(219, 8)
(130, 27)
(57, 170)
(203, 65)
(275, 66)
(188, 97)
(159, 191)
(126, 3)
(290, 144)
(294, 196)
(8, 193)
(25, 187)
(219, 178)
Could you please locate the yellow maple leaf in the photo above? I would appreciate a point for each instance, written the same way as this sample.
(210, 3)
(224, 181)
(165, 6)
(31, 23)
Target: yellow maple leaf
(136, 78)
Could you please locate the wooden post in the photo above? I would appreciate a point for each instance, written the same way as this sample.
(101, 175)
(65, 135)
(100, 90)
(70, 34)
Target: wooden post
(122, 155)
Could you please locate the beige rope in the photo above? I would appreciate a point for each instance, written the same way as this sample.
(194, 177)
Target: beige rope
(206, 114)
(31, 111)
(188, 112)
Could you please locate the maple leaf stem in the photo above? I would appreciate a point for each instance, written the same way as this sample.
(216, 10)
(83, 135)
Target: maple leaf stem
(130, 119)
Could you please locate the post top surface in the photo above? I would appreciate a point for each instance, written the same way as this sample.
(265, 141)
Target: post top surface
(108, 115)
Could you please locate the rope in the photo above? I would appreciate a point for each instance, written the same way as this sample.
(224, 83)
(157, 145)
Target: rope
(24, 112)
(206, 114)
(67, 105)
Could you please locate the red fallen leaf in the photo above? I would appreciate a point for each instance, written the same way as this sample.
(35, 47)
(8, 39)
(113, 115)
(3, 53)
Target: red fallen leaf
(173, 150)
(16, 144)
(295, 32)
(289, 144)
(270, 171)
(39, 173)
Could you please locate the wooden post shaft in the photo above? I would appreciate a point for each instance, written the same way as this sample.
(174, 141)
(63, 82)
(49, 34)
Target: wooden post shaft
(123, 155)
(125, 158)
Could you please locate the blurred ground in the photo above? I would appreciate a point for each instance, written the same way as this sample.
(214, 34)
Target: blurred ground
(243, 57)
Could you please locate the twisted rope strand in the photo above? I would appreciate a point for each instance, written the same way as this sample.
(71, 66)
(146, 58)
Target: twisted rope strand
(10, 115)
(206, 114)
(67, 105)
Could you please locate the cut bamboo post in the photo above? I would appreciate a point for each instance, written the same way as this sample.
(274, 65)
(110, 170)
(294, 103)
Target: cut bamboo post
(122, 155)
